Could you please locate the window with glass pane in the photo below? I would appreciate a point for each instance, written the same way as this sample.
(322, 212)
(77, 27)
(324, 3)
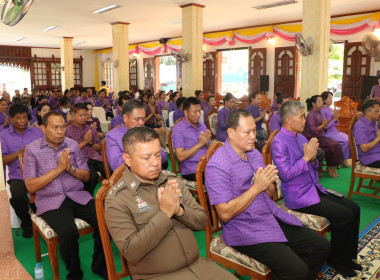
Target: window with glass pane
(108, 73)
(40, 74)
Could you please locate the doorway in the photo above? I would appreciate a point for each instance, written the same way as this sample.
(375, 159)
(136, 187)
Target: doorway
(14, 78)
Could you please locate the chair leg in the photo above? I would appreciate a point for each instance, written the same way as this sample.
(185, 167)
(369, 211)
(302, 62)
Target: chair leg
(37, 243)
(351, 186)
(360, 184)
(52, 249)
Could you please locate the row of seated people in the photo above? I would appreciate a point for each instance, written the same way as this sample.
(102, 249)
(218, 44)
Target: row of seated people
(156, 155)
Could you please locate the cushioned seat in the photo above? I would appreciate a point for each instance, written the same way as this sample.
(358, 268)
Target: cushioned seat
(48, 232)
(217, 246)
(359, 168)
(189, 184)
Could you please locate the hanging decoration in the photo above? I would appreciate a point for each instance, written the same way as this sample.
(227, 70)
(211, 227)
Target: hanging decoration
(219, 38)
(253, 35)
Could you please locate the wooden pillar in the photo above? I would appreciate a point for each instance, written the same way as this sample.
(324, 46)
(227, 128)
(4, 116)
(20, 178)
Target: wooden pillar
(192, 43)
(120, 56)
(316, 25)
(67, 62)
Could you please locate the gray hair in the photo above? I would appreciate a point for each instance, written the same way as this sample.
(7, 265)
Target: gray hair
(290, 108)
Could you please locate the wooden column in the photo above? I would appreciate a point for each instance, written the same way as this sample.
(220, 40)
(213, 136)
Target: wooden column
(67, 62)
(120, 56)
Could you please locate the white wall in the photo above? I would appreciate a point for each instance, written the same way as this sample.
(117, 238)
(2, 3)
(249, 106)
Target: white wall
(88, 63)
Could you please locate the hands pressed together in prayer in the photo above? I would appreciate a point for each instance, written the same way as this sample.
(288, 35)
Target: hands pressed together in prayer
(205, 137)
(325, 123)
(64, 161)
(265, 177)
(168, 199)
(310, 150)
(335, 115)
(88, 136)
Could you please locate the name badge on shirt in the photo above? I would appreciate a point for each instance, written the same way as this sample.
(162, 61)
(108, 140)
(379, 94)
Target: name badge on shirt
(142, 205)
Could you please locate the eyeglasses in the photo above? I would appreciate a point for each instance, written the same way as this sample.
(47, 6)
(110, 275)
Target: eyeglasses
(377, 111)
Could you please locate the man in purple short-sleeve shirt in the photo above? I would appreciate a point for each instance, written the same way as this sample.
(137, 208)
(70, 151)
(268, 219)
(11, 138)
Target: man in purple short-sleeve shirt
(240, 186)
(89, 143)
(375, 92)
(13, 142)
(54, 101)
(133, 115)
(367, 134)
(190, 138)
(54, 169)
(84, 98)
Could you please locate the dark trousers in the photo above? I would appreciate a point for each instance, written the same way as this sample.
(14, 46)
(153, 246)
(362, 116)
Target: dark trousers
(94, 166)
(375, 164)
(189, 177)
(20, 201)
(344, 216)
(62, 222)
(320, 157)
(301, 258)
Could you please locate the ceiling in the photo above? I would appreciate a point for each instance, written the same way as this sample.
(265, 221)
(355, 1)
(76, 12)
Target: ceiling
(148, 19)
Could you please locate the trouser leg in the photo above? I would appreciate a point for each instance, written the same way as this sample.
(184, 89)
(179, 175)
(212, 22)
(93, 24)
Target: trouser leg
(321, 157)
(20, 201)
(94, 166)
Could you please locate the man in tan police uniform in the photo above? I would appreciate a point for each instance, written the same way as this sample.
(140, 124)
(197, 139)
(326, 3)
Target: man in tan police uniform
(151, 215)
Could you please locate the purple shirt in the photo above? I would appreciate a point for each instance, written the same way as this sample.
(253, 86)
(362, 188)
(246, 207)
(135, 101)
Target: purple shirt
(255, 112)
(114, 147)
(203, 104)
(161, 105)
(177, 115)
(221, 132)
(327, 113)
(2, 121)
(73, 99)
(228, 176)
(12, 141)
(152, 119)
(187, 136)
(299, 180)
(95, 120)
(274, 106)
(84, 100)
(275, 122)
(99, 103)
(117, 120)
(313, 120)
(77, 133)
(365, 131)
(375, 92)
(205, 112)
(54, 102)
(34, 111)
(39, 159)
(172, 107)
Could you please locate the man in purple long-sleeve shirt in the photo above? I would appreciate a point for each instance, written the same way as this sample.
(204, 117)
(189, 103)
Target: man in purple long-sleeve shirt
(54, 169)
(296, 162)
(240, 186)
(133, 115)
(13, 142)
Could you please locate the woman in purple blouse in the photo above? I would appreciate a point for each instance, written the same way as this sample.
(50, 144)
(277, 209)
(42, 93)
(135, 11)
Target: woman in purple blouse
(153, 119)
(332, 132)
(161, 103)
(229, 104)
(200, 95)
(315, 126)
(93, 121)
(4, 118)
(103, 102)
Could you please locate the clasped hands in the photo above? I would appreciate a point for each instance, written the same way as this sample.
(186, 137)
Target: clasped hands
(204, 137)
(168, 199)
(64, 161)
(310, 150)
(264, 177)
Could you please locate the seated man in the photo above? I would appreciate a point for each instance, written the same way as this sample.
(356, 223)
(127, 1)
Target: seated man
(54, 100)
(133, 115)
(151, 216)
(89, 143)
(375, 92)
(275, 120)
(258, 113)
(295, 159)
(64, 109)
(211, 101)
(54, 169)
(190, 138)
(118, 119)
(240, 186)
(13, 141)
(367, 135)
(84, 98)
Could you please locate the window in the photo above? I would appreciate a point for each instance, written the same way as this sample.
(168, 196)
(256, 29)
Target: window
(77, 73)
(168, 73)
(56, 75)
(40, 78)
(133, 74)
(108, 74)
(235, 72)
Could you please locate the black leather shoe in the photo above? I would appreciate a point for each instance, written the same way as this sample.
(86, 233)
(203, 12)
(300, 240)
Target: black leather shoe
(27, 232)
(101, 273)
(356, 266)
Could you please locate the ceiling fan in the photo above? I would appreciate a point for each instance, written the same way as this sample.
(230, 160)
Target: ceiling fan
(14, 10)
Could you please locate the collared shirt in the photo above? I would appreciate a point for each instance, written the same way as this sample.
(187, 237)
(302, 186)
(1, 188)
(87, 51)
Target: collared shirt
(274, 106)
(177, 115)
(12, 141)
(161, 105)
(53, 102)
(152, 243)
(77, 133)
(365, 132)
(327, 113)
(73, 99)
(203, 104)
(114, 147)
(172, 107)
(275, 122)
(313, 119)
(152, 119)
(40, 158)
(186, 136)
(221, 132)
(117, 120)
(106, 88)
(299, 180)
(255, 112)
(205, 112)
(99, 103)
(84, 100)
(228, 176)
(375, 92)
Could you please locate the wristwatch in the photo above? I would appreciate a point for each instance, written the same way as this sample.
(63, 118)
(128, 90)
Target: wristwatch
(73, 169)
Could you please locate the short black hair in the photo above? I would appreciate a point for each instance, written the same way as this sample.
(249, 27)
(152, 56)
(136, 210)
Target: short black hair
(79, 106)
(325, 95)
(39, 108)
(179, 101)
(42, 97)
(161, 93)
(280, 99)
(209, 97)
(173, 95)
(104, 83)
(253, 95)
(16, 99)
(369, 104)
(45, 119)
(122, 97)
(228, 97)
(139, 134)
(190, 101)
(234, 117)
(2, 99)
(64, 101)
(71, 89)
(131, 105)
(278, 94)
(198, 92)
(311, 100)
(150, 95)
(17, 108)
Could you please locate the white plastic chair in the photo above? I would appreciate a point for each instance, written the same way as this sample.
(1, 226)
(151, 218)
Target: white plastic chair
(171, 121)
(202, 118)
(100, 113)
(114, 111)
(165, 116)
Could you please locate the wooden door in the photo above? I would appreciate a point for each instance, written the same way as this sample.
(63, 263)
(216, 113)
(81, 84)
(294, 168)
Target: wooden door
(286, 71)
(356, 65)
(209, 73)
(256, 67)
(149, 73)
(133, 75)
(179, 74)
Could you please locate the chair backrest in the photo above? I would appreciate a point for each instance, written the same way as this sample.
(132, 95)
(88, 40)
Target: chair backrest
(347, 110)
(99, 203)
(165, 116)
(202, 118)
(105, 160)
(203, 196)
(114, 111)
(243, 102)
(267, 123)
(21, 163)
(171, 120)
(100, 113)
(352, 143)
(212, 121)
(265, 102)
(176, 165)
